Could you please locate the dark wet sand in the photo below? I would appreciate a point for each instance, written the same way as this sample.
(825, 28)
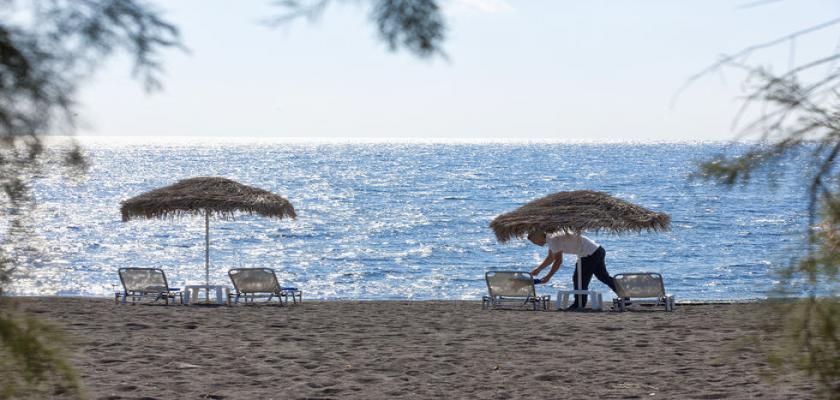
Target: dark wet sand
(416, 350)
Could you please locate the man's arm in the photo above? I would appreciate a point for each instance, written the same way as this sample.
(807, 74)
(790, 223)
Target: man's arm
(548, 259)
(558, 260)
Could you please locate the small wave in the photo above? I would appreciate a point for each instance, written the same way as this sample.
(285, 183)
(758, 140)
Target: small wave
(422, 251)
(770, 221)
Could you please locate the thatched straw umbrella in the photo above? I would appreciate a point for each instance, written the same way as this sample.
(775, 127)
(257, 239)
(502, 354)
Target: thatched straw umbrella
(205, 196)
(575, 212)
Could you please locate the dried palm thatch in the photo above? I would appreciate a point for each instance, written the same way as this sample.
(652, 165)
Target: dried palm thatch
(206, 195)
(577, 211)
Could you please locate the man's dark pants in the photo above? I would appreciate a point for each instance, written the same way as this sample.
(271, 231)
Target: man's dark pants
(592, 264)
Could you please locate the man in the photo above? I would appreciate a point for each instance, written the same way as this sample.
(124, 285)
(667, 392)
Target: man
(591, 257)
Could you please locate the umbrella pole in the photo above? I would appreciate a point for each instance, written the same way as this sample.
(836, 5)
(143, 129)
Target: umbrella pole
(579, 299)
(207, 251)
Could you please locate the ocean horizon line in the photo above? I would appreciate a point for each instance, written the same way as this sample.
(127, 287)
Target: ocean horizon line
(264, 140)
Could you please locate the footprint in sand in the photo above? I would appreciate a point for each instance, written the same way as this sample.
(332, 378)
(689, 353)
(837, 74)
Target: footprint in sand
(610, 328)
(549, 378)
(367, 380)
(330, 391)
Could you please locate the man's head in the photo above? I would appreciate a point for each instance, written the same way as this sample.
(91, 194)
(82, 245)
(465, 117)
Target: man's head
(537, 238)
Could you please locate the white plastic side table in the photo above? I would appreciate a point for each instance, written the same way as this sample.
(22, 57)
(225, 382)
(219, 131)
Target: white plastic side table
(191, 293)
(595, 299)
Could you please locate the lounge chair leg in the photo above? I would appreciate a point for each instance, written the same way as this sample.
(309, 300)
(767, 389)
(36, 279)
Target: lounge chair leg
(532, 300)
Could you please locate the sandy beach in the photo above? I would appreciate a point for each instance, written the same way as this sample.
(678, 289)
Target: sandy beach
(415, 350)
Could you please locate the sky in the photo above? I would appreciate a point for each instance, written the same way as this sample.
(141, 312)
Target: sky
(517, 70)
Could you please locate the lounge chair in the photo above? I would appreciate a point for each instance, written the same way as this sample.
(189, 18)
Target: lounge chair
(512, 287)
(641, 287)
(141, 282)
(260, 282)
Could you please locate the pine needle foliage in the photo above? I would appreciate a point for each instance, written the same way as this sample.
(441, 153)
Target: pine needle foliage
(797, 113)
(47, 49)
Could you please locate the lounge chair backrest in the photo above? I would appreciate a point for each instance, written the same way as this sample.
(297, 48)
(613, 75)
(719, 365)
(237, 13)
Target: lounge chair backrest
(254, 280)
(143, 280)
(640, 284)
(510, 284)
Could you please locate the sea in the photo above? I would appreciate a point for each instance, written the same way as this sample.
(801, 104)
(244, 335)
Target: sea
(410, 221)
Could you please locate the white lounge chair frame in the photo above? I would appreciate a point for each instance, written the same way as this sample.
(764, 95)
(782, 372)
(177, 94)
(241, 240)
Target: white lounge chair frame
(260, 283)
(141, 282)
(506, 287)
(641, 287)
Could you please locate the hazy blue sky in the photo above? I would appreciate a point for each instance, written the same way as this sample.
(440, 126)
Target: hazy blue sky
(518, 69)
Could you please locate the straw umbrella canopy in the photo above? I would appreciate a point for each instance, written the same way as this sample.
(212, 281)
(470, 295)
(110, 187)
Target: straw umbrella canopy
(205, 196)
(575, 212)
